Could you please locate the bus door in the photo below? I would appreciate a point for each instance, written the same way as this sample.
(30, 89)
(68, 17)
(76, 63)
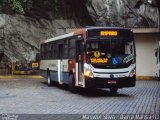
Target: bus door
(60, 55)
(79, 62)
(158, 60)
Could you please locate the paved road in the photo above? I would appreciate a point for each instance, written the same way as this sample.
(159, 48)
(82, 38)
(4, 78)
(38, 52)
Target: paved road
(33, 96)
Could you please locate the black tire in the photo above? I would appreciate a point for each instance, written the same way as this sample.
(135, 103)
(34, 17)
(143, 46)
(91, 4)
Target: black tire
(71, 84)
(113, 90)
(49, 82)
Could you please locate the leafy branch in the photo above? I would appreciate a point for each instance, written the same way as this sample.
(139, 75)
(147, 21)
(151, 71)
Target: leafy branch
(19, 6)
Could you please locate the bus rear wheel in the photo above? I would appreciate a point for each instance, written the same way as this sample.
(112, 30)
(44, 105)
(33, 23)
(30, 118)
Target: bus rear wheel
(49, 82)
(113, 90)
(72, 86)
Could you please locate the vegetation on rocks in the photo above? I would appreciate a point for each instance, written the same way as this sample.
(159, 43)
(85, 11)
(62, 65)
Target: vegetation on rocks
(24, 6)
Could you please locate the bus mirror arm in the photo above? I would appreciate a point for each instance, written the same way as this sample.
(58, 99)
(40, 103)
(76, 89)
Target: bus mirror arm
(156, 52)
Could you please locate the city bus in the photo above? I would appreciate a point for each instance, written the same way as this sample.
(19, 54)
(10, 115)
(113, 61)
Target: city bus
(93, 57)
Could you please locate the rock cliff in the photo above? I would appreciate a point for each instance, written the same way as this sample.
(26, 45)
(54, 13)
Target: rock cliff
(24, 34)
(126, 13)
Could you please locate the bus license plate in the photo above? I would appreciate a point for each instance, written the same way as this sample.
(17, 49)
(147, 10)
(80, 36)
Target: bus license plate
(111, 82)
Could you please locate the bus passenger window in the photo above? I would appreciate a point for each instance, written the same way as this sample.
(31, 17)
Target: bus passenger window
(42, 51)
(71, 48)
(71, 52)
(55, 51)
(50, 50)
(65, 54)
(46, 51)
(60, 51)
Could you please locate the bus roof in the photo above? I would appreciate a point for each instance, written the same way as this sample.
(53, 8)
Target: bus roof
(80, 31)
(58, 38)
(120, 28)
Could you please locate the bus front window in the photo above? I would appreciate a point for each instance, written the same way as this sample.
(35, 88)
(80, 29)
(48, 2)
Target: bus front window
(110, 51)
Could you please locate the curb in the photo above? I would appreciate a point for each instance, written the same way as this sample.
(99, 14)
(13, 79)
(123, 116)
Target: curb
(20, 76)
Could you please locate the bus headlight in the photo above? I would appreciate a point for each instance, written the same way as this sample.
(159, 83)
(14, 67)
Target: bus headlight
(132, 73)
(88, 73)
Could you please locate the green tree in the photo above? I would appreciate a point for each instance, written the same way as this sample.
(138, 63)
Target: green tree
(19, 6)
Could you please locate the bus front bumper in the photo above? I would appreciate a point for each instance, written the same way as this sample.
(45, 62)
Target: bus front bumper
(109, 83)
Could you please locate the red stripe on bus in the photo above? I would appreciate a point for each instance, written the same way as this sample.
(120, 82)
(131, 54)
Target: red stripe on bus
(80, 31)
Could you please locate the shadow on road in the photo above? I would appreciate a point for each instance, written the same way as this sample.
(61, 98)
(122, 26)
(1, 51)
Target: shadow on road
(99, 93)
(89, 92)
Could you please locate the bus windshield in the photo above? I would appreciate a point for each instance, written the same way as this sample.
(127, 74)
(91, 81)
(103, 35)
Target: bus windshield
(110, 51)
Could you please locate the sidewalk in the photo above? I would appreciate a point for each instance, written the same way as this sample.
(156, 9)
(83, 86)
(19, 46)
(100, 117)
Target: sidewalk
(20, 77)
(147, 78)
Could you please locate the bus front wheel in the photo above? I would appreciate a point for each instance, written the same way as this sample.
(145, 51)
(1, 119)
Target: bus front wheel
(72, 86)
(113, 90)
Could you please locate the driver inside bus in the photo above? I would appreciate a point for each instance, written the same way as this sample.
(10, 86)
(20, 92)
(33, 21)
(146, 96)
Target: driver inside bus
(114, 49)
(91, 47)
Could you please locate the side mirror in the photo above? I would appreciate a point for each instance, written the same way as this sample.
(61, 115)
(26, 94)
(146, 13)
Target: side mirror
(156, 53)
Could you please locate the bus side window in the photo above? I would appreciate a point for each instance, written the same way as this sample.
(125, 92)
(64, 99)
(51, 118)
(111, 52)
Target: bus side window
(45, 51)
(71, 48)
(50, 50)
(65, 51)
(60, 51)
(42, 51)
(52, 53)
(54, 50)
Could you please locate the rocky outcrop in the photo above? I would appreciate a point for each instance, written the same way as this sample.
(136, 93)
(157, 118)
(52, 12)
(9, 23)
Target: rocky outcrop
(126, 13)
(23, 35)
(44, 20)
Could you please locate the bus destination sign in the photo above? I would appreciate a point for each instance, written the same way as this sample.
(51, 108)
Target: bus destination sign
(108, 33)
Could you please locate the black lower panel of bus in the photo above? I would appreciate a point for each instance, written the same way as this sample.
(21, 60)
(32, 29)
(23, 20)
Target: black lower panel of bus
(108, 83)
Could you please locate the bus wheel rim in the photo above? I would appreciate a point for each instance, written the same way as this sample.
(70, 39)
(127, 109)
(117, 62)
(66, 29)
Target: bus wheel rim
(49, 81)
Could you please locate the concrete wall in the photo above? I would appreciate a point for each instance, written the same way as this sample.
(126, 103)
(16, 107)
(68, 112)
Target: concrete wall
(146, 60)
